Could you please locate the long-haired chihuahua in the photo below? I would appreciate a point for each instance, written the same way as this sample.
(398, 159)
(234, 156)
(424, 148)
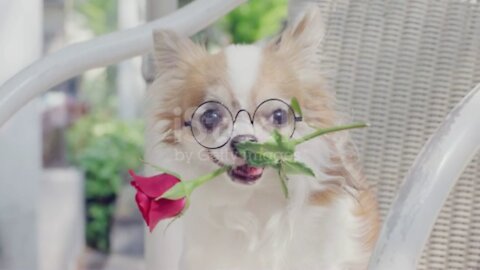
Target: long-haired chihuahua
(202, 105)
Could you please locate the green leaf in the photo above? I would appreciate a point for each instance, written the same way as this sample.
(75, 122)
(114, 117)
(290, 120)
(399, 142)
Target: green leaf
(277, 137)
(278, 148)
(261, 160)
(296, 167)
(260, 148)
(282, 144)
(296, 106)
(253, 153)
(268, 154)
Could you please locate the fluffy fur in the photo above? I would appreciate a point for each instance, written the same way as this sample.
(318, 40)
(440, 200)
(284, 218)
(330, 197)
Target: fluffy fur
(328, 223)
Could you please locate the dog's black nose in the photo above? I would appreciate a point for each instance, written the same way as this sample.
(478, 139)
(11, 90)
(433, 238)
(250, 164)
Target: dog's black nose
(240, 138)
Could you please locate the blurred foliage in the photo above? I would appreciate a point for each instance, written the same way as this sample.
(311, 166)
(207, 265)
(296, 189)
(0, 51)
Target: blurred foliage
(99, 224)
(255, 20)
(100, 144)
(99, 91)
(100, 15)
(104, 148)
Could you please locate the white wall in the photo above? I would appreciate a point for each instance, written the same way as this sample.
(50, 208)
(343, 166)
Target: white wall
(20, 153)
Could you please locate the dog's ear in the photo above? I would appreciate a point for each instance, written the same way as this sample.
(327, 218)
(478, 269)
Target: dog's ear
(302, 38)
(174, 53)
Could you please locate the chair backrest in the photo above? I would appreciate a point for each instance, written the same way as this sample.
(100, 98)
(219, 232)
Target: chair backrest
(402, 66)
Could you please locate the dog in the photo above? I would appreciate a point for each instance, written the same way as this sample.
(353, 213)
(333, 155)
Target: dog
(201, 105)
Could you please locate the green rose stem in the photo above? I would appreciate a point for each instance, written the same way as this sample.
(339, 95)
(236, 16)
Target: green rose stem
(323, 131)
(185, 188)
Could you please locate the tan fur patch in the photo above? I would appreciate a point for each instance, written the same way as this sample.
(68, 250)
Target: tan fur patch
(186, 91)
(276, 79)
(367, 211)
(325, 197)
(346, 169)
(279, 79)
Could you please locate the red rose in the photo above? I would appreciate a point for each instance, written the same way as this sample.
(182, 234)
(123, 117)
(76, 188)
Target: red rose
(149, 191)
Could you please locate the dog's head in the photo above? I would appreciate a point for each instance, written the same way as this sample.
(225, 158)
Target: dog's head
(208, 103)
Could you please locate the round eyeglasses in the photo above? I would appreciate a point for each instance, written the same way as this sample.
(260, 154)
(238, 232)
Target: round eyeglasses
(212, 123)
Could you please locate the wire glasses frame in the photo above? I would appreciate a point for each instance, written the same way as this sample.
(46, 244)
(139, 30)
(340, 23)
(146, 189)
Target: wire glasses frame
(189, 124)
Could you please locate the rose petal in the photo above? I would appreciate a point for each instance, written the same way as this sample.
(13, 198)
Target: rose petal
(163, 209)
(144, 204)
(154, 186)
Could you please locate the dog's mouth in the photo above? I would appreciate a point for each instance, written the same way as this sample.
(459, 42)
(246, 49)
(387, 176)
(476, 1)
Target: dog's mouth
(245, 174)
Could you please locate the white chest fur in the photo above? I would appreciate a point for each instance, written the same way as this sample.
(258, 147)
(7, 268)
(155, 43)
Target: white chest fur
(268, 232)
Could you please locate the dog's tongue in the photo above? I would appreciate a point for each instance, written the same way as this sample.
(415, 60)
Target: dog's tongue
(249, 170)
(246, 174)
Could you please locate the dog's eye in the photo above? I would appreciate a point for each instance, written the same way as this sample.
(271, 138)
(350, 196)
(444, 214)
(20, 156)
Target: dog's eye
(211, 118)
(279, 117)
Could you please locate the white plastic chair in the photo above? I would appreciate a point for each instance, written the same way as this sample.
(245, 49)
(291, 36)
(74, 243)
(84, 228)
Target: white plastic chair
(402, 66)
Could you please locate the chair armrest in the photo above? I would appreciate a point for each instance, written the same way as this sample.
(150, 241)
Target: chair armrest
(426, 187)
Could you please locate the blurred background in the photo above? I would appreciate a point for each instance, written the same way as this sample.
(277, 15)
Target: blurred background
(65, 202)
(84, 215)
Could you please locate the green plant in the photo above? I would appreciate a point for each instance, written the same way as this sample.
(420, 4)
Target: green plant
(100, 15)
(99, 144)
(255, 20)
(99, 86)
(103, 147)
